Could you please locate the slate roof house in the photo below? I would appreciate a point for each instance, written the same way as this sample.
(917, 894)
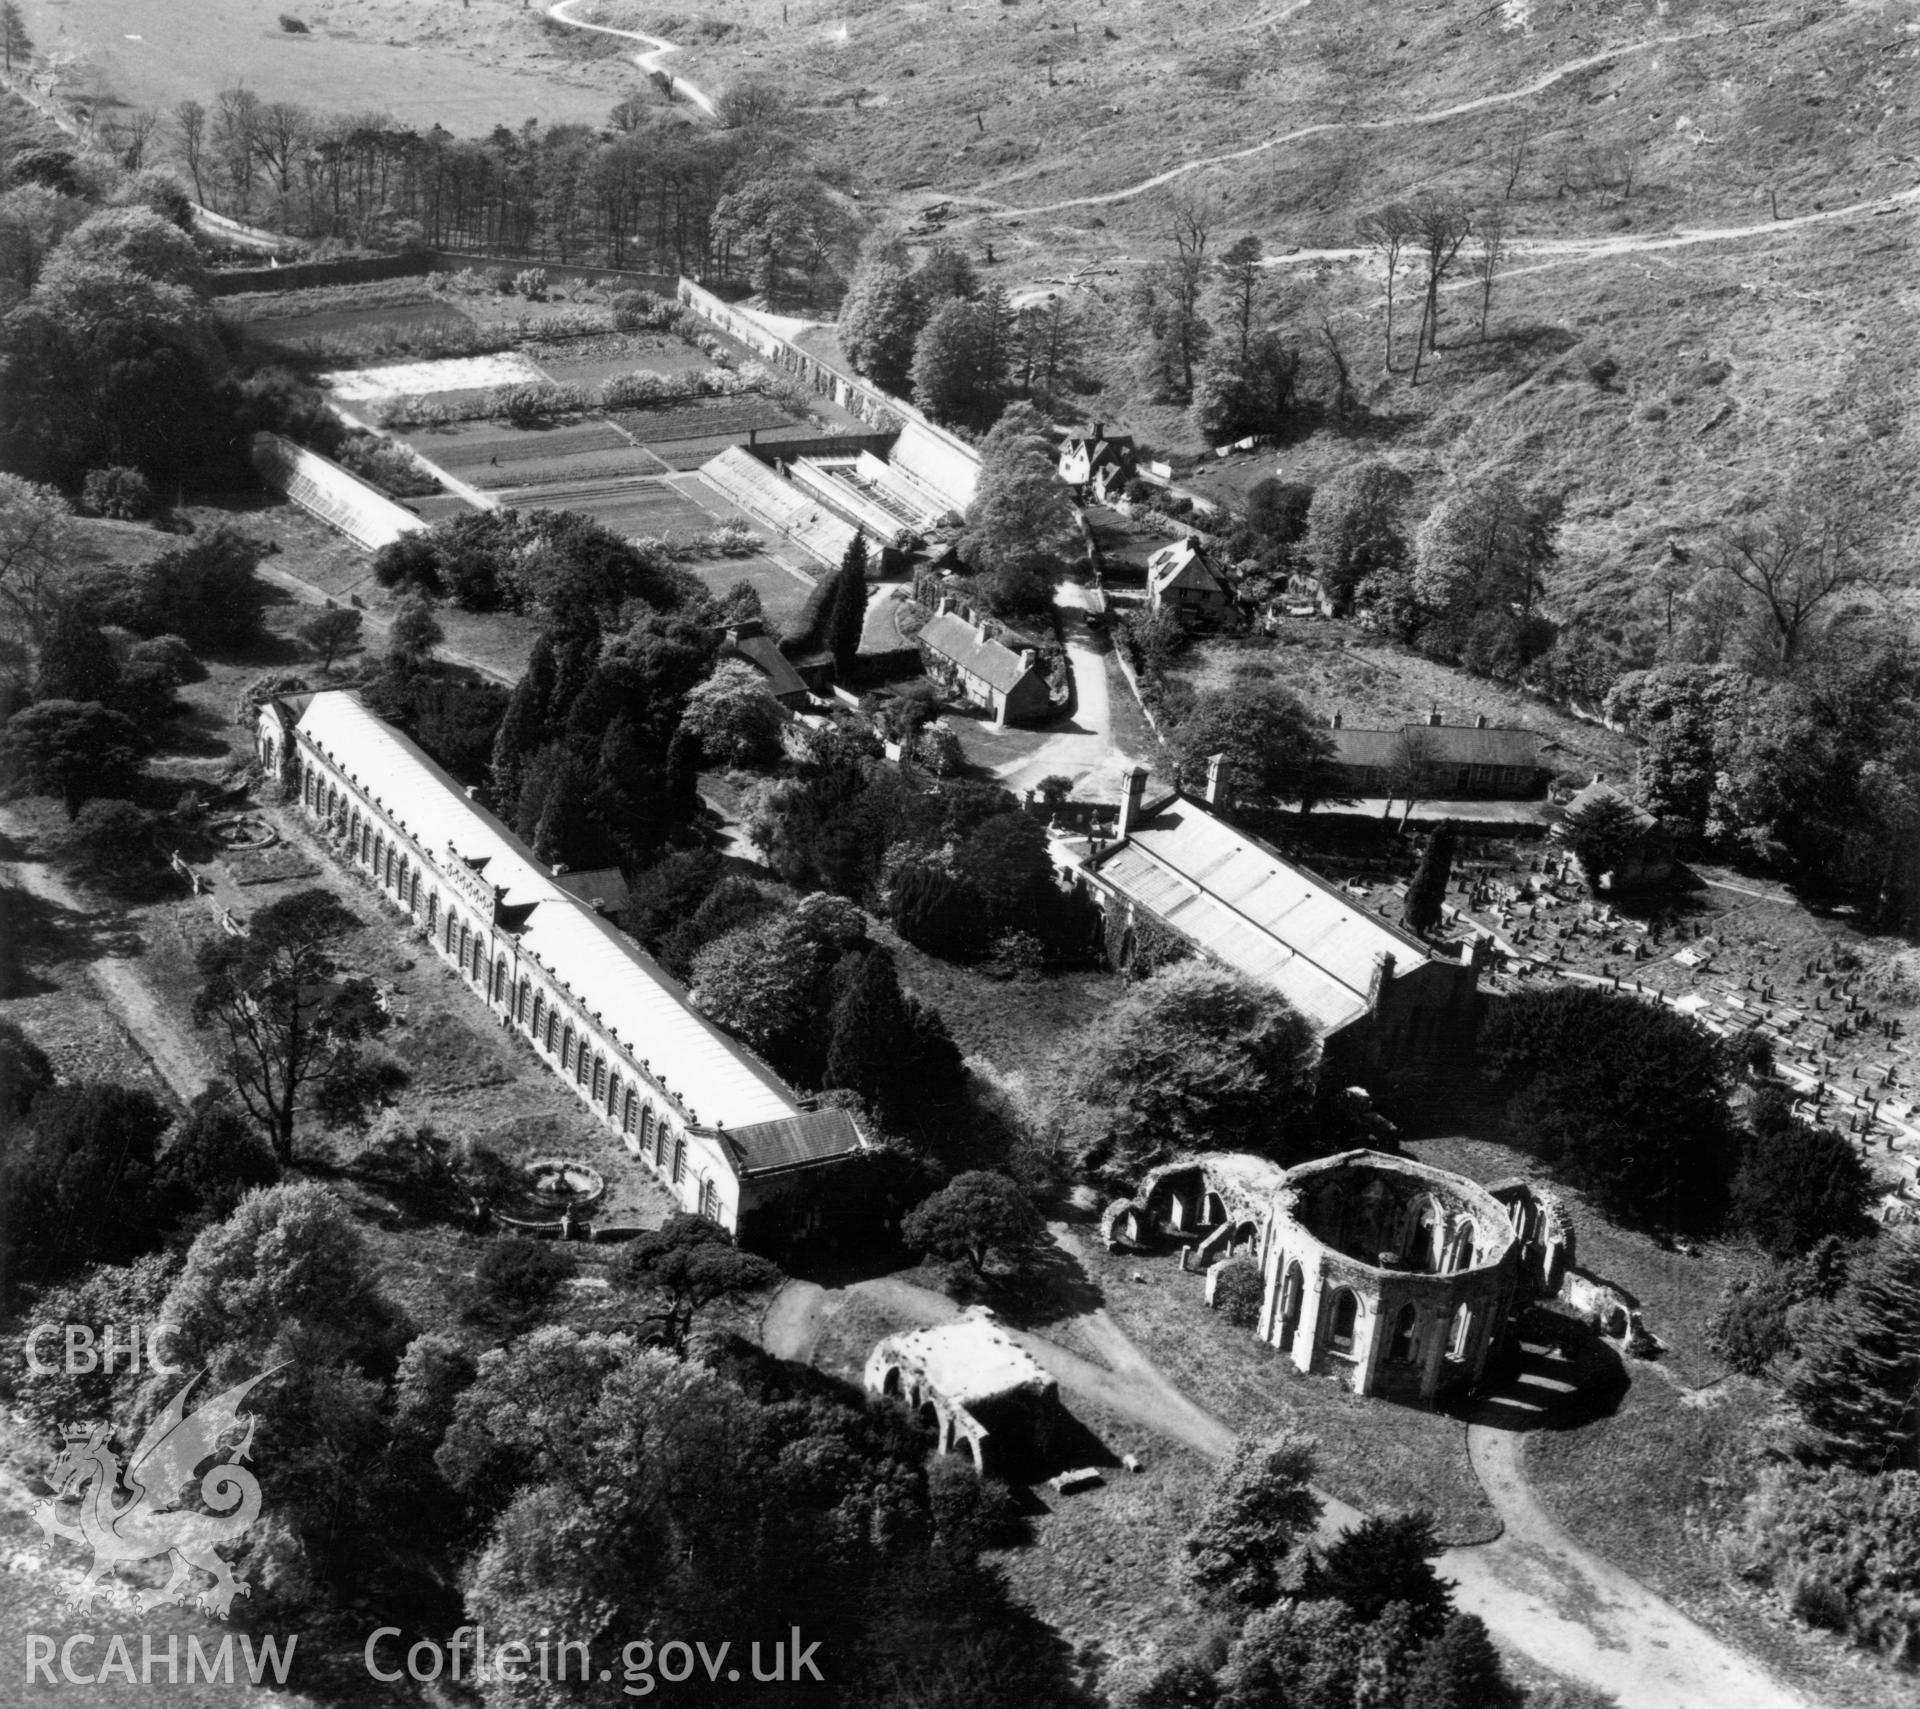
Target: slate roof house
(1181, 579)
(964, 660)
(1463, 759)
(724, 1134)
(1097, 459)
(1380, 999)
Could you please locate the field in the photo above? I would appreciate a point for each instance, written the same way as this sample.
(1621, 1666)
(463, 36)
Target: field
(491, 454)
(421, 62)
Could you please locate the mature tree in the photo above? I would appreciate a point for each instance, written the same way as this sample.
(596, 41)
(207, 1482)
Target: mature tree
(959, 364)
(1798, 559)
(1415, 773)
(15, 43)
(76, 1181)
(1020, 524)
(1799, 1185)
(291, 1024)
(936, 908)
(516, 1281)
(728, 904)
(118, 845)
(1600, 834)
(1192, 1057)
(36, 549)
(1050, 345)
(76, 660)
(1260, 1506)
(1427, 894)
(1490, 240)
(1250, 392)
(978, 1216)
(1304, 1655)
(1276, 751)
(72, 749)
(1441, 225)
(1488, 545)
(685, 1268)
(761, 982)
(735, 717)
(1460, 1669)
(413, 632)
(1625, 1098)
(781, 221)
(1355, 533)
(1857, 1381)
(205, 591)
(880, 323)
(215, 1157)
(848, 619)
(1390, 232)
(140, 239)
(331, 632)
(1384, 1560)
(890, 1048)
(190, 126)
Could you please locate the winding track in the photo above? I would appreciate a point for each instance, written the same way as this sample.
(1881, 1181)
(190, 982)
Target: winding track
(658, 47)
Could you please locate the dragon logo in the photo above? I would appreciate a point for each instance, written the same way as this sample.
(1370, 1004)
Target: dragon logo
(133, 1513)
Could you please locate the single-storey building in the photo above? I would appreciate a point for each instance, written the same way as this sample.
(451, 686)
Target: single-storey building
(1382, 1001)
(1181, 579)
(972, 1386)
(1457, 760)
(724, 1135)
(966, 661)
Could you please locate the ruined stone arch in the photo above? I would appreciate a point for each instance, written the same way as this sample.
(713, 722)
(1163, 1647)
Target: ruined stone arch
(1343, 1320)
(1293, 1287)
(1460, 1331)
(1405, 1322)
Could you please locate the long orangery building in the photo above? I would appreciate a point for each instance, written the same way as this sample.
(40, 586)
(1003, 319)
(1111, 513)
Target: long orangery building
(720, 1130)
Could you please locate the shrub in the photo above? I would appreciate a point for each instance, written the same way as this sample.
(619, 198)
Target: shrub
(292, 25)
(122, 494)
(531, 283)
(515, 1281)
(1239, 1292)
(938, 750)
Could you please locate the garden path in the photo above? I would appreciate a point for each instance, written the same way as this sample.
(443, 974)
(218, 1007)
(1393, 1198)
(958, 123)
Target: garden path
(156, 1033)
(1535, 1587)
(658, 49)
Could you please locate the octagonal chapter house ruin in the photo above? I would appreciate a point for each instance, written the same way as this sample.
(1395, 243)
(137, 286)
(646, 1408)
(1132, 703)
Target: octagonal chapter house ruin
(1398, 1278)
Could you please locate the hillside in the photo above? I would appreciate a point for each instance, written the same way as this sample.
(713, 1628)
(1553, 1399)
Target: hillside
(1712, 200)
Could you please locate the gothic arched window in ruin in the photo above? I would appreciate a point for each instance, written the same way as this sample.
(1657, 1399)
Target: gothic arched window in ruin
(566, 1049)
(1461, 1256)
(1345, 1314)
(1458, 1331)
(1400, 1349)
(1291, 1290)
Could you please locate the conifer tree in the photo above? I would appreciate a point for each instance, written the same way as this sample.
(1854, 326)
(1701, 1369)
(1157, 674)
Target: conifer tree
(523, 731)
(849, 616)
(887, 1047)
(1461, 1669)
(1428, 891)
(76, 661)
(1857, 1383)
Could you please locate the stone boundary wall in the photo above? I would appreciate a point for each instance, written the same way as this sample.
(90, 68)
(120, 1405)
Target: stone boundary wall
(322, 488)
(306, 275)
(941, 460)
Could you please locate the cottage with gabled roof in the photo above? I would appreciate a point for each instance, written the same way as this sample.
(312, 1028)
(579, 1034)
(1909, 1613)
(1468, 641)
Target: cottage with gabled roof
(1097, 459)
(724, 1134)
(965, 660)
(1181, 579)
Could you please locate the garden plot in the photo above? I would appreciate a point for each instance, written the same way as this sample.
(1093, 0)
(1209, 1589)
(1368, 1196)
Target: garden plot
(645, 507)
(589, 361)
(725, 420)
(294, 329)
(492, 455)
(432, 379)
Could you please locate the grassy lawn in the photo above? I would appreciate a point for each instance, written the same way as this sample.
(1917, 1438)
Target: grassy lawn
(1378, 1456)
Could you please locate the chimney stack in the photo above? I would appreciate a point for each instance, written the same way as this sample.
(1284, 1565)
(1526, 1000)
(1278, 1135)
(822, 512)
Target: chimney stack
(946, 604)
(1029, 659)
(1216, 779)
(1099, 430)
(1133, 787)
(1434, 720)
(1480, 721)
(1337, 720)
